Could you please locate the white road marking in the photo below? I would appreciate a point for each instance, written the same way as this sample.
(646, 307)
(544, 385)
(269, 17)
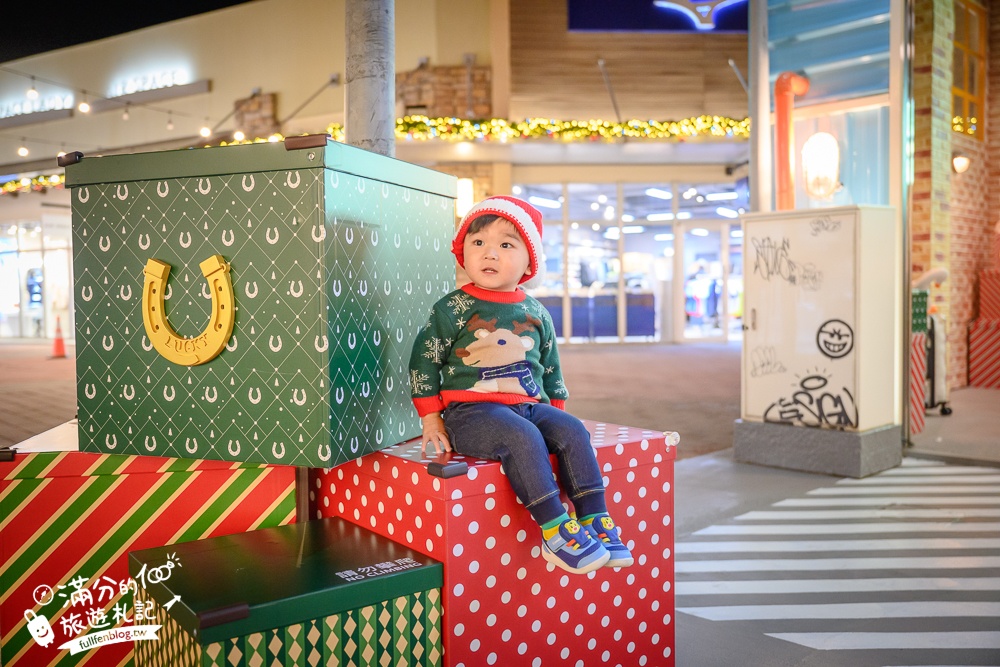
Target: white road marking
(848, 610)
(825, 641)
(849, 528)
(898, 489)
(837, 564)
(818, 515)
(785, 586)
(891, 500)
(837, 545)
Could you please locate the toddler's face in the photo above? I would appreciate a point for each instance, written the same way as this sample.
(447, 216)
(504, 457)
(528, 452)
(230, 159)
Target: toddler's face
(496, 257)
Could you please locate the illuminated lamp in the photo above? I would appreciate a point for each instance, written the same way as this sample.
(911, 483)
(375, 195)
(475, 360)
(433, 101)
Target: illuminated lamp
(821, 165)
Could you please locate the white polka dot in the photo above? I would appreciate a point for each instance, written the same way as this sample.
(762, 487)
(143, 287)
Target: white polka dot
(630, 579)
(340, 508)
(381, 507)
(666, 619)
(521, 573)
(536, 626)
(408, 498)
(474, 645)
(395, 472)
(430, 545)
(630, 614)
(642, 628)
(491, 542)
(642, 593)
(655, 539)
(617, 497)
(389, 492)
(490, 503)
(333, 488)
(642, 526)
(505, 559)
(563, 617)
(579, 630)
(392, 529)
(418, 522)
(505, 521)
(655, 573)
(536, 588)
(491, 581)
(457, 591)
(591, 608)
(537, 662)
(347, 494)
(326, 501)
(490, 488)
(399, 514)
(436, 484)
(642, 559)
(617, 601)
(654, 472)
(371, 485)
(655, 505)
(473, 527)
(474, 566)
(564, 581)
(632, 463)
(371, 520)
(605, 621)
(606, 656)
(592, 644)
(564, 653)
(551, 602)
(606, 481)
(522, 611)
(666, 487)
(630, 647)
(666, 585)
(491, 620)
(666, 553)
(474, 606)
(619, 449)
(644, 445)
(605, 586)
(618, 635)
(357, 514)
(456, 510)
(630, 510)
(642, 661)
(340, 474)
(413, 478)
(457, 550)
(364, 501)
(535, 552)
(630, 477)
(642, 492)
(521, 536)
(506, 635)
(666, 519)
(578, 594)
(551, 639)
(409, 536)
(655, 605)
(473, 473)
(491, 659)
(522, 648)
(455, 495)
(459, 629)
(607, 467)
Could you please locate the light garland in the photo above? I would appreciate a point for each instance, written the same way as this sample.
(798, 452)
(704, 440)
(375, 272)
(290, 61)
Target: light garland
(422, 128)
(36, 184)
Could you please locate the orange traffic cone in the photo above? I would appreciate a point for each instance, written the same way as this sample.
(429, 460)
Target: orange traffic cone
(59, 346)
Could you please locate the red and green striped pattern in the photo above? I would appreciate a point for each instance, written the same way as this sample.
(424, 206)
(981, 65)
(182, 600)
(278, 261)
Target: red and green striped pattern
(76, 514)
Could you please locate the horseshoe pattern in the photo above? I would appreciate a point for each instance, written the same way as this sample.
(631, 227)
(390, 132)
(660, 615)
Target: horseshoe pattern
(361, 186)
(89, 390)
(232, 237)
(374, 237)
(213, 396)
(278, 453)
(385, 191)
(83, 195)
(389, 384)
(378, 437)
(399, 335)
(366, 389)
(321, 348)
(322, 456)
(349, 235)
(437, 244)
(293, 184)
(377, 338)
(191, 445)
(408, 287)
(338, 395)
(246, 290)
(180, 239)
(352, 340)
(150, 447)
(318, 236)
(125, 292)
(267, 235)
(250, 395)
(387, 287)
(428, 287)
(363, 288)
(291, 288)
(204, 291)
(295, 397)
(169, 395)
(108, 342)
(165, 191)
(144, 246)
(111, 441)
(204, 185)
(104, 243)
(86, 292)
(336, 288)
(396, 240)
(270, 343)
(211, 341)
(334, 179)
(354, 445)
(121, 191)
(146, 345)
(231, 345)
(233, 448)
(248, 188)
(128, 392)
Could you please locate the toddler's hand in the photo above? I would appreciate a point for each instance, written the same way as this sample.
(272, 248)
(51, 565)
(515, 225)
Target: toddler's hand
(434, 434)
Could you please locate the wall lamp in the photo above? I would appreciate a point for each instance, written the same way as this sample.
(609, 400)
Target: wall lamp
(960, 162)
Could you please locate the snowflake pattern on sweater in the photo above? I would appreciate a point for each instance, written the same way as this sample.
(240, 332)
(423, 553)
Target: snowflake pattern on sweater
(480, 345)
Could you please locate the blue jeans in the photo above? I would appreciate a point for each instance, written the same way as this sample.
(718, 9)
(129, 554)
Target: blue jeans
(521, 437)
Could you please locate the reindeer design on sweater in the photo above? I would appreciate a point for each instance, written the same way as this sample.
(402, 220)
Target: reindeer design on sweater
(501, 356)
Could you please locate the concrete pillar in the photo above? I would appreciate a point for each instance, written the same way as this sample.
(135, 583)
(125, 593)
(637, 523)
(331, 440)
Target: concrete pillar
(370, 92)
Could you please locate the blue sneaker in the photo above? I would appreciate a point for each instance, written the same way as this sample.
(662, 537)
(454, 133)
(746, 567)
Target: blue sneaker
(574, 549)
(604, 530)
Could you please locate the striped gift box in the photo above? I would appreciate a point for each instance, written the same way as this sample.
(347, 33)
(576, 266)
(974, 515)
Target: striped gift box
(984, 353)
(71, 515)
(918, 382)
(989, 294)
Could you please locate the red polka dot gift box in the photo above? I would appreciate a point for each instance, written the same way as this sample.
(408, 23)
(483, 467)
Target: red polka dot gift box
(503, 603)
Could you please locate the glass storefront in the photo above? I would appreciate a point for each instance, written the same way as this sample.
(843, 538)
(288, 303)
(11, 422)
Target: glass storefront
(36, 277)
(611, 269)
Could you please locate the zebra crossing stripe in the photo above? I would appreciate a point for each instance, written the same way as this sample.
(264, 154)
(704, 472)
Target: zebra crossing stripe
(941, 479)
(849, 528)
(894, 500)
(826, 641)
(786, 586)
(837, 564)
(837, 545)
(847, 610)
(778, 515)
(889, 490)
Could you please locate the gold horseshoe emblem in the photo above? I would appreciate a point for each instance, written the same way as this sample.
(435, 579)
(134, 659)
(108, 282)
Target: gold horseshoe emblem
(211, 341)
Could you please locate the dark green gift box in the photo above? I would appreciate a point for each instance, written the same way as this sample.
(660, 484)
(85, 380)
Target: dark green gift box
(335, 256)
(322, 592)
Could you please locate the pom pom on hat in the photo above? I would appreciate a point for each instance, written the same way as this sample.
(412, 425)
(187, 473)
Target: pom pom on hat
(525, 217)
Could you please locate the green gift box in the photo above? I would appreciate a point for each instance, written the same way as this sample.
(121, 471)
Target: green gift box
(253, 303)
(317, 593)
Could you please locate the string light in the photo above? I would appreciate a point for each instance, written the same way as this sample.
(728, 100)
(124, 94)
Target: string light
(125, 113)
(84, 107)
(32, 93)
(239, 136)
(23, 151)
(206, 131)
(170, 122)
(36, 184)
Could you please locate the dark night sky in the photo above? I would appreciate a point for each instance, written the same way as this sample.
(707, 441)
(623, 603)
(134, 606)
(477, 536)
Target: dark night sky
(28, 28)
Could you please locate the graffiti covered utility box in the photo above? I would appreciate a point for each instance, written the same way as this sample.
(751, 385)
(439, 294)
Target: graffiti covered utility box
(316, 593)
(253, 303)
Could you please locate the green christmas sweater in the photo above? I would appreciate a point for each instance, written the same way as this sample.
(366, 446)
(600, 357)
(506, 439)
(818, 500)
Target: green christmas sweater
(486, 346)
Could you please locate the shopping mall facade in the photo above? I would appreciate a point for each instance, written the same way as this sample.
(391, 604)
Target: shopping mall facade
(642, 233)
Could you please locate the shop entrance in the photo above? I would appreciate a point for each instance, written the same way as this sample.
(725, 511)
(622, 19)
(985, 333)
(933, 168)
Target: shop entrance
(709, 293)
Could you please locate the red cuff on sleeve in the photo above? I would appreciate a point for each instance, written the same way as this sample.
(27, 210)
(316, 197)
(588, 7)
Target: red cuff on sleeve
(427, 405)
(558, 403)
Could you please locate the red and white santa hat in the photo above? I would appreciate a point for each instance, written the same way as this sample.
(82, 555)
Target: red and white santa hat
(525, 217)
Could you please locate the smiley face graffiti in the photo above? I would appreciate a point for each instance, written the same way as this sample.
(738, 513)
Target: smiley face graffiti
(835, 339)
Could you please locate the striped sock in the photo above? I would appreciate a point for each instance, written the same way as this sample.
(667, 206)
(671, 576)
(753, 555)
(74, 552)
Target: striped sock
(552, 527)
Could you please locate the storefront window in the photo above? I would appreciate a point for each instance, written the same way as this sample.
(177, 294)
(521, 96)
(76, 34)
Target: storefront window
(10, 295)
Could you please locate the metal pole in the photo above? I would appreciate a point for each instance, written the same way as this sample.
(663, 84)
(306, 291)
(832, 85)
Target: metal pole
(370, 93)
(760, 111)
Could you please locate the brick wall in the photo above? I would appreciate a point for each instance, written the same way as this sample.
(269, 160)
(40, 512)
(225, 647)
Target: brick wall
(462, 91)
(255, 115)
